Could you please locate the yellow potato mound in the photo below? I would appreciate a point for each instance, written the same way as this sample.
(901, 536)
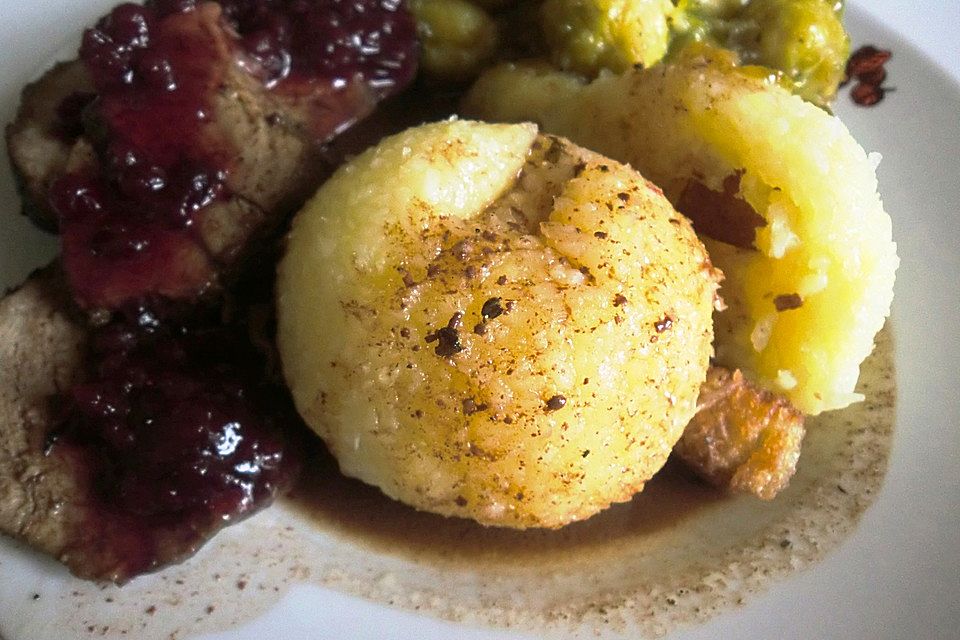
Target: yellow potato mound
(488, 323)
(807, 298)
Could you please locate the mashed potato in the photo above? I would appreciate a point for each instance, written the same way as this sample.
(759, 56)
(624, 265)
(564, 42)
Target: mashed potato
(490, 323)
(811, 286)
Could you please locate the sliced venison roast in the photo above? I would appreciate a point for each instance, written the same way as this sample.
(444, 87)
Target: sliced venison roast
(124, 448)
(189, 131)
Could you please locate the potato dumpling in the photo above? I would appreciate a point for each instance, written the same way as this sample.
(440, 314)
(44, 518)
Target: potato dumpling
(787, 194)
(489, 323)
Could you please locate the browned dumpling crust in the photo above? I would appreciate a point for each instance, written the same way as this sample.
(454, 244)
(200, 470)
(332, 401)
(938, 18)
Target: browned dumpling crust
(743, 438)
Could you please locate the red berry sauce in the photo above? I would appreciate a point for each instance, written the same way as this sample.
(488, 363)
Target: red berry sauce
(178, 433)
(332, 41)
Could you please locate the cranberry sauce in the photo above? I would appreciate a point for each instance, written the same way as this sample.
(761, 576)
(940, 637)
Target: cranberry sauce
(180, 434)
(329, 61)
(129, 216)
(866, 67)
(126, 222)
(331, 41)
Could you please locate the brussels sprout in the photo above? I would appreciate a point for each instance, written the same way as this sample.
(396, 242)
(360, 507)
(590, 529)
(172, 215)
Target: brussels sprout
(803, 38)
(458, 38)
(723, 9)
(589, 35)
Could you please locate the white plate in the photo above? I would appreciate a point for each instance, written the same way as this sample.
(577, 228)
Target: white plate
(897, 576)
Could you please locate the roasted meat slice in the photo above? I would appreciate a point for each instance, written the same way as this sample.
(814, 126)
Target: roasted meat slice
(124, 461)
(743, 438)
(279, 160)
(177, 142)
(41, 345)
(42, 137)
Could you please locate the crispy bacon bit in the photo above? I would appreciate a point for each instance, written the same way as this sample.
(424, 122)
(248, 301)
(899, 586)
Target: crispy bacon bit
(462, 250)
(867, 95)
(742, 437)
(448, 338)
(866, 67)
(556, 402)
(787, 301)
(875, 77)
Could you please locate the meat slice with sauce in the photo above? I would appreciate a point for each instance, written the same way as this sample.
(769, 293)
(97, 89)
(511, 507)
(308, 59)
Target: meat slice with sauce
(188, 133)
(117, 483)
(184, 135)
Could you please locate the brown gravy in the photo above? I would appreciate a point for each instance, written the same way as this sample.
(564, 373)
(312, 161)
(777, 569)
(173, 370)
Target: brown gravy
(675, 555)
(364, 515)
